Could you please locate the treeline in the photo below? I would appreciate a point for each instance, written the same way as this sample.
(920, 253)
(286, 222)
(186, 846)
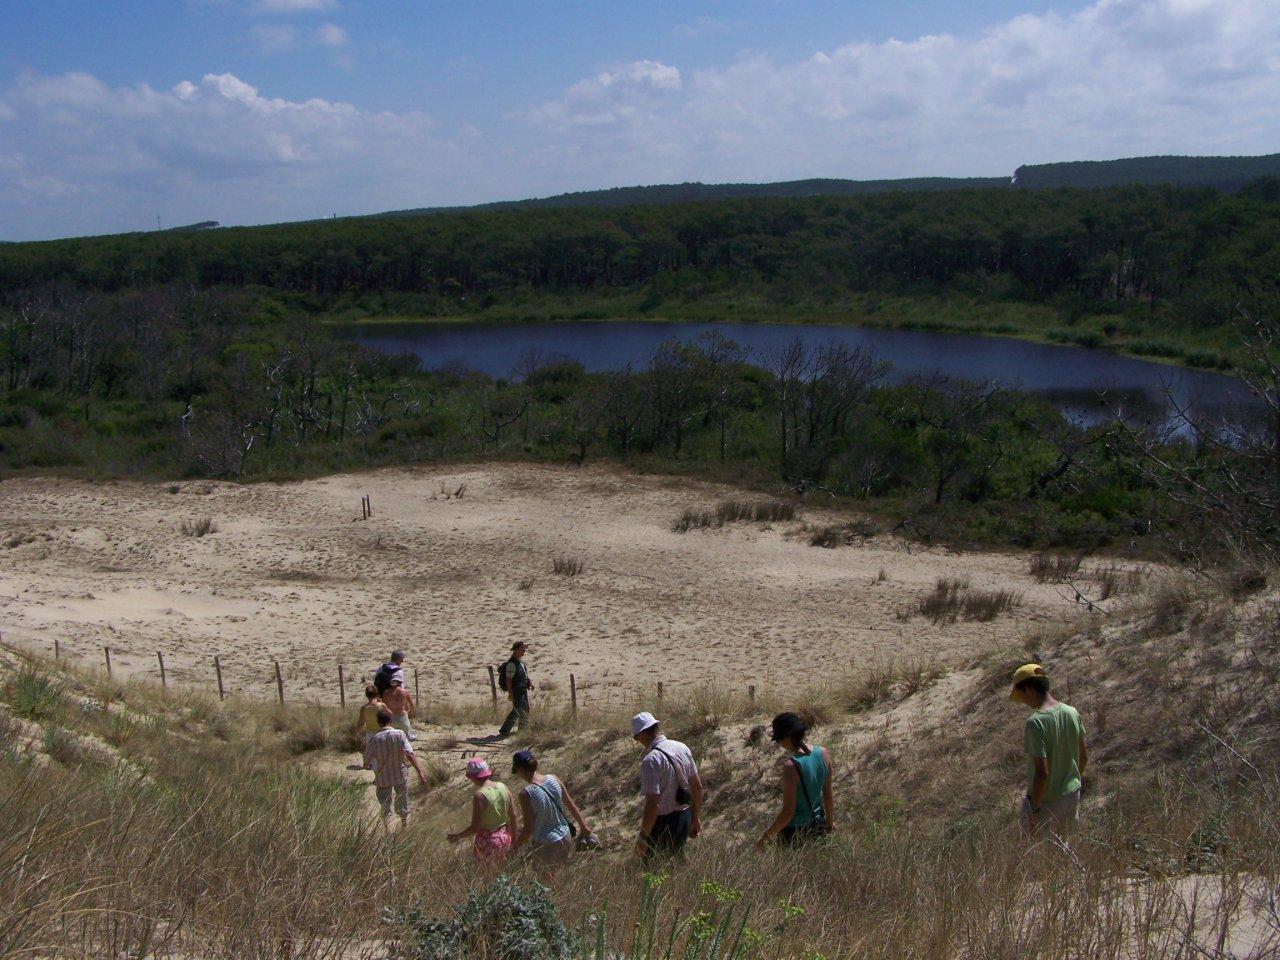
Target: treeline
(1221, 173)
(703, 192)
(1107, 265)
(175, 382)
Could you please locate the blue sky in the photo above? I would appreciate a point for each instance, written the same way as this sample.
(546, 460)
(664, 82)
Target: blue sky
(244, 111)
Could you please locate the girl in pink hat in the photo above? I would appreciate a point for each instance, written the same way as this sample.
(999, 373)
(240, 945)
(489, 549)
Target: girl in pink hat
(493, 818)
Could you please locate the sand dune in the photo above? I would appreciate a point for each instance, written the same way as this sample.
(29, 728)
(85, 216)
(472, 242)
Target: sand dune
(294, 574)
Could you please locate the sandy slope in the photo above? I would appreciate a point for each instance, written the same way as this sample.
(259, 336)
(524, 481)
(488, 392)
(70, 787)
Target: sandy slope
(294, 574)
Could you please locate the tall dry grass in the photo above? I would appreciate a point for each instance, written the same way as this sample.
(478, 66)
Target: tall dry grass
(181, 827)
(952, 600)
(734, 511)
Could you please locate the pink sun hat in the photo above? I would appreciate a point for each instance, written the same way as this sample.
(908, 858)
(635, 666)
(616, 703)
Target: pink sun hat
(478, 769)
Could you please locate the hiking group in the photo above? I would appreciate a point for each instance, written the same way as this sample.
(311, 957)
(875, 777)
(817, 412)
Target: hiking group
(544, 821)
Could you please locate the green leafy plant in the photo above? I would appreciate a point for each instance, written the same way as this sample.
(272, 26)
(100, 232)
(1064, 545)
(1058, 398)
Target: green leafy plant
(35, 695)
(504, 921)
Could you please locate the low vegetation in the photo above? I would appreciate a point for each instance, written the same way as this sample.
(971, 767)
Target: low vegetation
(199, 528)
(567, 566)
(846, 534)
(1055, 567)
(734, 511)
(953, 600)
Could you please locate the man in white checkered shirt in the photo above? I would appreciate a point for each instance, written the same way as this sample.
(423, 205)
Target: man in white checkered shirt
(386, 753)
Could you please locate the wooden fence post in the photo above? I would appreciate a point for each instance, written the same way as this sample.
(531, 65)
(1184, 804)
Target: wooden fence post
(57, 650)
(659, 691)
(573, 693)
(164, 677)
(342, 688)
(107, 651)
(217, 668)
(416, 695)
(279, 680)
(368, 500)
(751, 693)
(493, 688)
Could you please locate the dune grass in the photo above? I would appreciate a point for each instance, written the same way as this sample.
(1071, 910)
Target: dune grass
(272, 859)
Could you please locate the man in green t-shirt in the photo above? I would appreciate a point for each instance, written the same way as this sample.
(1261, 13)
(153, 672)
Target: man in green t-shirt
(1053, 741)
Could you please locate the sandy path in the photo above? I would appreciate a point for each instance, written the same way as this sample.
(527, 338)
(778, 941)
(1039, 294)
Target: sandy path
(294, 574)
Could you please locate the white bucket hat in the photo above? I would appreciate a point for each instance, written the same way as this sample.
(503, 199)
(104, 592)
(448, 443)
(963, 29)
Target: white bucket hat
(642, 722)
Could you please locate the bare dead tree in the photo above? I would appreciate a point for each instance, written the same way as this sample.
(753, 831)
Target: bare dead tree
(816, 391)
(1222, 473)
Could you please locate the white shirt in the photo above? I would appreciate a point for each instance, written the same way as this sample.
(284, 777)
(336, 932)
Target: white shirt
(666, 765)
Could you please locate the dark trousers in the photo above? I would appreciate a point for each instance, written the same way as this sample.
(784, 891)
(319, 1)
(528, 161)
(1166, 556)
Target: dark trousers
(519, 714)
(799, 836)
(669, 834)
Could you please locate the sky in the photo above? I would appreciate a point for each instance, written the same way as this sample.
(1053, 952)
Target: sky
(120, 116)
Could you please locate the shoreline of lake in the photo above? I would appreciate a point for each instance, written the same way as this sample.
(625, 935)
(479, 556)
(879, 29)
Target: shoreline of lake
(1030, 335)
(1082, 382)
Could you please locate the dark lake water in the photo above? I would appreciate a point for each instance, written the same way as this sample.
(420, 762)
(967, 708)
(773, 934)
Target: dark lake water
(1085, 383)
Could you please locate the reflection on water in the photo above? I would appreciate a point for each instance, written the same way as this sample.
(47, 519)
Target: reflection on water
(1091, 385)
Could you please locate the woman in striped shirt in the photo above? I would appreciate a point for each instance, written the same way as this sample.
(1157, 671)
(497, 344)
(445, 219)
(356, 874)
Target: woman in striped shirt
(543, 805)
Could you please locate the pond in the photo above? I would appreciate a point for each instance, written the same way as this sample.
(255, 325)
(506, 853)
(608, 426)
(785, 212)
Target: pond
(1090, 384)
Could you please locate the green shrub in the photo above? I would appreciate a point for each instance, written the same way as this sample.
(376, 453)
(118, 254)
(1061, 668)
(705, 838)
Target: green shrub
(504, 921)
(35, 695)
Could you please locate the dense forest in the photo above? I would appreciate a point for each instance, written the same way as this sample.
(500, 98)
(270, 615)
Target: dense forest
(1222, 173)
(1153, 270)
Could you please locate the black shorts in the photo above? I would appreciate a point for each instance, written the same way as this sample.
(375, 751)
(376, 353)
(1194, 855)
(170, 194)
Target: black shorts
(798, 836)
(669, 834)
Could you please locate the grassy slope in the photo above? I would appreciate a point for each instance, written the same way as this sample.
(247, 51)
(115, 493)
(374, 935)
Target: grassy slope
(274, 852)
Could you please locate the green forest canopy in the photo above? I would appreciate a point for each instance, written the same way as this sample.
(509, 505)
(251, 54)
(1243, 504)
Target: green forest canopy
(1155, 270)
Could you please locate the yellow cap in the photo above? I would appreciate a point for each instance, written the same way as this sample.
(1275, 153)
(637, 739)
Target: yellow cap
(1025, 672)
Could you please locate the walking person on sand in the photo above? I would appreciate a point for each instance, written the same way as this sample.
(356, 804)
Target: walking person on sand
(808, 807)
(1053, 740)
(386, 753)
(545, 826)
(401, 705)
(672, 790)
(513, 677)
(367, 718)
(493, 818)
(389, 671)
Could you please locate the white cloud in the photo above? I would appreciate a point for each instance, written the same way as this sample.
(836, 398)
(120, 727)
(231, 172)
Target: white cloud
(617, 94)
(1117, 78)
(331, 35)
(81, 156)
(294, 6)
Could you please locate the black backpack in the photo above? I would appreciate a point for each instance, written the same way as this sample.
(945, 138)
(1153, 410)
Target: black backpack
(502, 677)
(382, 679)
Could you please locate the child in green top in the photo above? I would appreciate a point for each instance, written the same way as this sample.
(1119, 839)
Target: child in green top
(1053, 741)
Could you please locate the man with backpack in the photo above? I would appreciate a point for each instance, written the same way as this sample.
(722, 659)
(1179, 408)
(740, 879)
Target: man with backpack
(672, 790)
(391, 670)
(513, 680)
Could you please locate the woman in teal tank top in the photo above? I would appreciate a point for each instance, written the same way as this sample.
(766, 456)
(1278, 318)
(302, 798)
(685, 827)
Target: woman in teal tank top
(808, 807)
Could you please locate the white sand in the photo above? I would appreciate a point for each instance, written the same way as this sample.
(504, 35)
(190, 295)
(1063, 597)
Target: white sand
(294, 574)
